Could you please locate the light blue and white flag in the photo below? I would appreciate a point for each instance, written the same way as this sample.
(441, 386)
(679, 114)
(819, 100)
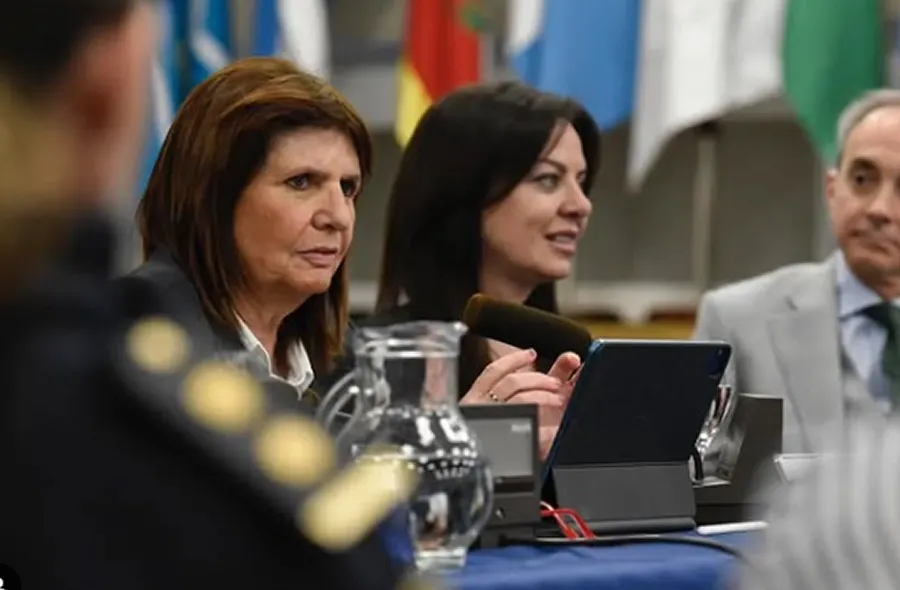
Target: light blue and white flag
(164, 91)
(296, 30)
(584, 49)
(209, 38)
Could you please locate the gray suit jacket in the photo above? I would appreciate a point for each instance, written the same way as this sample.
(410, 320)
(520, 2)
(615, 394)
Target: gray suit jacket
(783, 328)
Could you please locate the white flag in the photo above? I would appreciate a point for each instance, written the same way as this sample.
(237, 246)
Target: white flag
(304, 34)
(296, 30)
(699, 59)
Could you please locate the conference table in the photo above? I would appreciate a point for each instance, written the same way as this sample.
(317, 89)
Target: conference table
(622, 567)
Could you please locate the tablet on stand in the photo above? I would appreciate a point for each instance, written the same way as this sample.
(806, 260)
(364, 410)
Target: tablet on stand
(620, 458)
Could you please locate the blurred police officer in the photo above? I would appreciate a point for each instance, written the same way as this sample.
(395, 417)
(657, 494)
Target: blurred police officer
(837, 526)
(128, 460)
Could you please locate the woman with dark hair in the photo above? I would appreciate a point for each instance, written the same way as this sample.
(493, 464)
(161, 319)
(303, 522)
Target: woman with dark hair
(249, 213)
(491, 198)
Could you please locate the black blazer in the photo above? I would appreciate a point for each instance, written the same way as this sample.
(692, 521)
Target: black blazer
(161, 279)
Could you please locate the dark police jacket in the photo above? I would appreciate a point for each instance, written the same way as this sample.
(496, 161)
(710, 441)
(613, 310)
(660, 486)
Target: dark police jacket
(122, 468)
(163, 280)
(168, 285)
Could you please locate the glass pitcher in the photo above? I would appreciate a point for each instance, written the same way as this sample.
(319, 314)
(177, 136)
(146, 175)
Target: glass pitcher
(404, 389)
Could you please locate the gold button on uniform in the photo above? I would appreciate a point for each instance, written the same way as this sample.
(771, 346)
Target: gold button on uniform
(294, 450)
(346, 509)
(158, 345)
(223, 398)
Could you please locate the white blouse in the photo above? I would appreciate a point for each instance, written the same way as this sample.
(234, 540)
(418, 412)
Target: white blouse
(300, 372)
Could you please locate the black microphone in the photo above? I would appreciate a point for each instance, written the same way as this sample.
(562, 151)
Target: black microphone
(521, 326)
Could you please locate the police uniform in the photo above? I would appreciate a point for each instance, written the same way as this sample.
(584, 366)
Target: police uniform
(130, 461)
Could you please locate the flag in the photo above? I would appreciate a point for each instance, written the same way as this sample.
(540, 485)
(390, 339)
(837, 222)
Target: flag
(697, 60)
(833, 51)
(442, 51)
(164, 89)
(584, 49)
(894, 74)
(296, 30)
(209, 38)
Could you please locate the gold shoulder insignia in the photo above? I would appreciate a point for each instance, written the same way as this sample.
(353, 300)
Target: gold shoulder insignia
(158, 345)
(345, 509)
(257, 434)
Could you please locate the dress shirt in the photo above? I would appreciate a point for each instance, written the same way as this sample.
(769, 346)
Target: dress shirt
(300, 372)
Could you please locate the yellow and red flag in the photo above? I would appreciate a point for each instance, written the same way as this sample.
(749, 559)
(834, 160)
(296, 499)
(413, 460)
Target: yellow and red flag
(441, 51)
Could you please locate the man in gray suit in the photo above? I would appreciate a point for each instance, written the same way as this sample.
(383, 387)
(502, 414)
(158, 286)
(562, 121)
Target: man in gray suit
(825, 335)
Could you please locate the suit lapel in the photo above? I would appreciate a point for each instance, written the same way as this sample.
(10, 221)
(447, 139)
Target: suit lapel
(185, 307)
(805, 339)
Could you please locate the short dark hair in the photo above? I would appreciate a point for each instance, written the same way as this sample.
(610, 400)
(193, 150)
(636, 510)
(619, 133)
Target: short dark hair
(469, 151)
(38, 41)
(218, 142)
(38, 37)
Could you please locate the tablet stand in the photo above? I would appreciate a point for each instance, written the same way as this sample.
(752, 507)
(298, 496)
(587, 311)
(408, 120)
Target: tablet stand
(626, 498)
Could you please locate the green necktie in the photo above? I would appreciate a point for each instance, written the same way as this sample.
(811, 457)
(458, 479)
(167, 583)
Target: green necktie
(888, 316)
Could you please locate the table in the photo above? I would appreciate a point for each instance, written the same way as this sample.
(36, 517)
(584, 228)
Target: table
(625, 567)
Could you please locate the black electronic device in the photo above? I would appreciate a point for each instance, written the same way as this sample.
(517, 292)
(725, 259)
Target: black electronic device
(508, 434)
(620, 458)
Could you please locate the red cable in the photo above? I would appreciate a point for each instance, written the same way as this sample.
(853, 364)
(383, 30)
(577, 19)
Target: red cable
(581, 529)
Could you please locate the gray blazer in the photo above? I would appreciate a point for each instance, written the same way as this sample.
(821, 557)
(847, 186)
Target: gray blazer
(783, 328)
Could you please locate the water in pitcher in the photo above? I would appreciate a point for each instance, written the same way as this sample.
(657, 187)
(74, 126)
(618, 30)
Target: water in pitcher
(405, 382)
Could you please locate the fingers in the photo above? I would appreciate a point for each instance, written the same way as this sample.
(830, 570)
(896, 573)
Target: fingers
(511, 385)
(540, 398)
(500, 368)
(566, 364)
(504, 380)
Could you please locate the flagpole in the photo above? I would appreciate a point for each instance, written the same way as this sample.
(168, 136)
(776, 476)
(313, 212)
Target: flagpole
(487, 44)
(703, 205)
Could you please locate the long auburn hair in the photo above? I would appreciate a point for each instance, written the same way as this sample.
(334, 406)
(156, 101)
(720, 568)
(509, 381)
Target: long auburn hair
(468, 152)
(217, 143)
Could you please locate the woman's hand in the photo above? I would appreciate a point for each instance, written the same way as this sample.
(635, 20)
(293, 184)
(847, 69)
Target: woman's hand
(506, 381)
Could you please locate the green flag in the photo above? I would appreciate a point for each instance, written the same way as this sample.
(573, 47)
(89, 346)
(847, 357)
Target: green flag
(833, 51)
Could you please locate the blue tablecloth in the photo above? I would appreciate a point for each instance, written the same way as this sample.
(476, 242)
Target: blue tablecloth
(626, 567)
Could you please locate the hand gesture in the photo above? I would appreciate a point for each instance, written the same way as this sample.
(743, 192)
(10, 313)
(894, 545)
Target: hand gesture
(506, 380)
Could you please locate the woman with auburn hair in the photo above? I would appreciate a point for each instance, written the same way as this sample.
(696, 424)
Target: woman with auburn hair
(248, 216)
